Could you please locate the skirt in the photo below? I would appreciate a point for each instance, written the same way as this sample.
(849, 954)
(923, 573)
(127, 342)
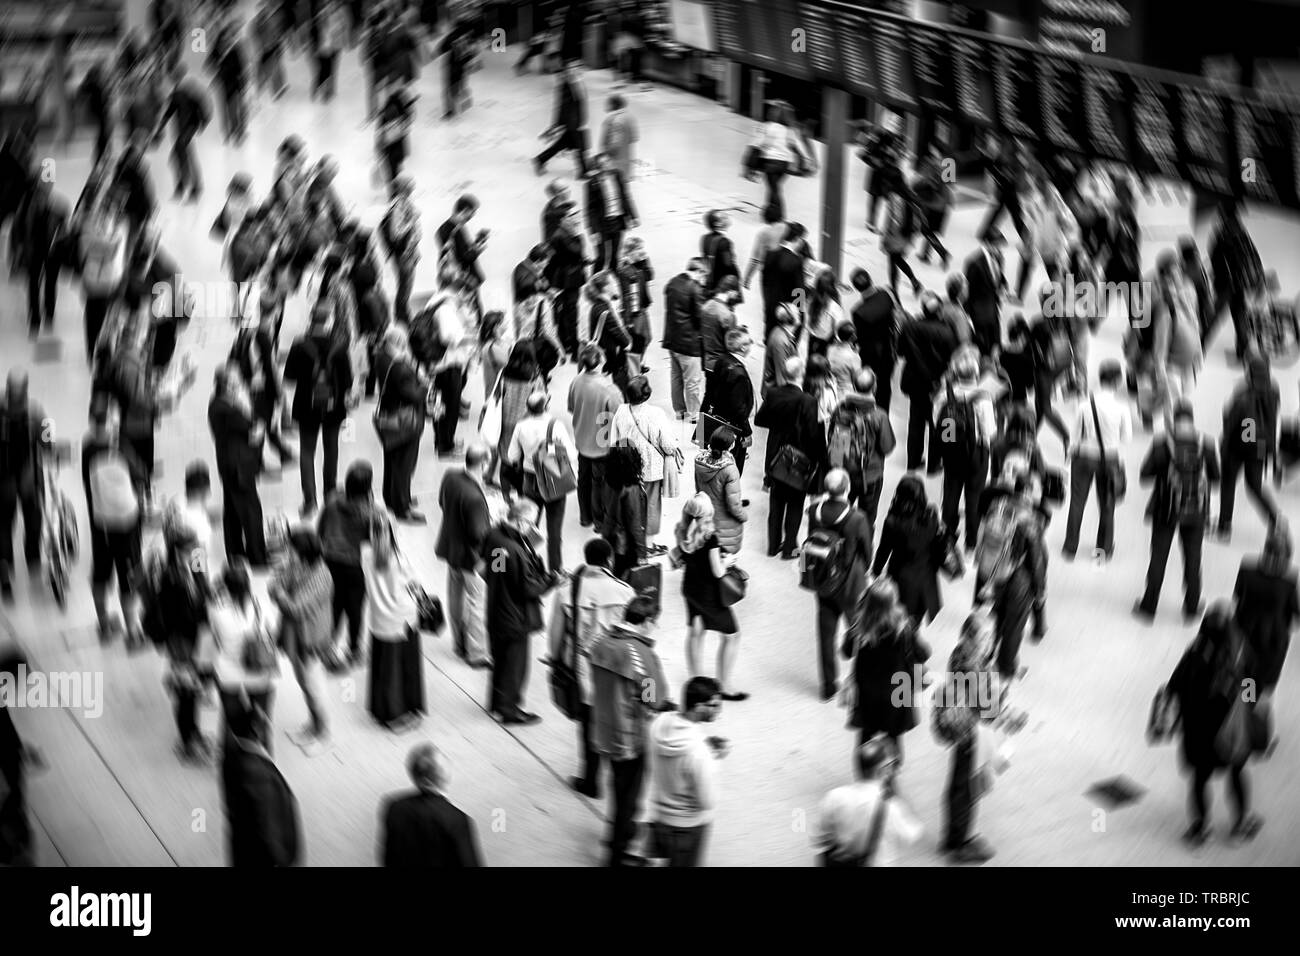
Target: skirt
(396, 677)
(715, 616)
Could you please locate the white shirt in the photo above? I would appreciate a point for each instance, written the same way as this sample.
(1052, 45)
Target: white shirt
(199, 521)
(844, 824)
(529, 436)
(1116, 426)
(392, 607)
(775, 142)
(231, 626)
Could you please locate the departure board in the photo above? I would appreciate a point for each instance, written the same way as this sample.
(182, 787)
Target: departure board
(1015, 84)
(1063, 124)
(932, 69)
(1154, 106)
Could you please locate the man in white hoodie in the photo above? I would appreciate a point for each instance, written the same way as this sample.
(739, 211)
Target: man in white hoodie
(685, 779)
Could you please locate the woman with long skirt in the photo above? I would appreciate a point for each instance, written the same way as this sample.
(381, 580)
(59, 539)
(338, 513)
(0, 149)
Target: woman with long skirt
(396, 663)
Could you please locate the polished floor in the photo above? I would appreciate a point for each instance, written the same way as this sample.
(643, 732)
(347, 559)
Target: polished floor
(114, 793)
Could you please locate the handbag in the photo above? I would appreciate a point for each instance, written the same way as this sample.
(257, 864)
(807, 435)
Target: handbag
(706, 425)
(1163, 718)
(428, 609)
(792, 467)
(1232, 743)
(258, 655)
(1116, 478)
(489, 420)
(553, 469)
(396, 427)
(951, 563)
(566, 691)
(544, 350)
(732, 586)
(751, 161)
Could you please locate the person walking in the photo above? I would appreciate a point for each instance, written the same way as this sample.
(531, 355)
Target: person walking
(569, 121)
(683, 300)
(400, 233)
(790, 416)
(402, 395)
(396, 698)
(1267, 602)
(610, 211)
(566, 274)
(466, 521)
(238, 437)
(859, 437)
(926, 345)
(608, 332)
(780, 151)
(843, 358)
(729, 394)
(1249, 442)
(704, 561)
(243, 664)
(965, 424)
(782, 346)
(1237, 271)
(1181, 466)
(986, 286)
(717, 318)
(1011, 570)
(542, 434)
(517, 580)
(628, 688)
(303, 591)
(719, 252)
(1101, 428)
(263, 821)
(619, 133)
(319, 366)
(912, 550)
(423, 829)
(866, 823)
(783, 276)
(593, 401)
(345, 527)
(875, 325)
(645, 428)
(682, 769)
(825, 315)
(843, 536)
(883, 644)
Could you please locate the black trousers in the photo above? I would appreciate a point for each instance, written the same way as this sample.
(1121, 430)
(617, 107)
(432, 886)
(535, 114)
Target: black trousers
(96, 313)
(509, 673)
(1192, 537)
(349, 599)
(308, 431)
(607, 246)
(1235, 302)
(1008, 201)
(399, 468)
(1084, 473)
(784, 515)
(1011, 609)
(884, 372)
(919, 414)
(1199, 799)
(590, 775)
(898, 263)
(405, 282)
(394, 157)
(1253, 470)
(628, 777)
(740, 453)
(187, 716)
(829, 612)
(450, 382)
(591, 490)
(566, 320)
(774, 173)
(10, 500)
(964, 479)
(241, 523)
(959, 799)
(574, 139)
(865, 495)
(42, 271)
(554, 511)
(234, 111)
(13, 811)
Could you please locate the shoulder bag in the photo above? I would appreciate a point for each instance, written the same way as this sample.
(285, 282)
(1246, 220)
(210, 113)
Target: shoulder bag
(566, 691)
(732, 586)
(553, 468)
(1116, 479)
(792, 467)
(544, 349)
(399, 426)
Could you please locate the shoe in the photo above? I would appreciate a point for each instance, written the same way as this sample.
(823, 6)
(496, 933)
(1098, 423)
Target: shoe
(656, 549)
(483, 665)
(1067, 554)
(1223, 532)
(973, 850)
(1192, 615)
(412, 517)
(828, 693)
(539, 167)
(1196, 835)
(744, 502)
(735, 696)
(580, 785)
(1142, 614)
(307, 508)
(522, 718)
(633, 859)
(414, 501)
(584, 522)
(1247, 827)
(791, 555)
(316, 746)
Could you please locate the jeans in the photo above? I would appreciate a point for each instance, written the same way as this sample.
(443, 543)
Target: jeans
(1192, 537)
(964, 479)
(628, 776)
(1253, 469)
(591, 488)
(349, 599)
(308, 430)
(607, 245)
(554, 511)
(680, 846)
(399, 468)
(241, 523)
(784, 516)
(686, 373)
(1084, 472)
(959, 798)
(774, 171)
(466, 607)
(1011, 607)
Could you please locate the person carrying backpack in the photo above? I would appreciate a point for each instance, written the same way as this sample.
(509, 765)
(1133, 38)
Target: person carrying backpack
(114, 481)
(1249, 442)
(965, 424)
(102, 253)
(1011, 569)
(322, 375)
(859, 438)
(1182, 465)
(833, 564)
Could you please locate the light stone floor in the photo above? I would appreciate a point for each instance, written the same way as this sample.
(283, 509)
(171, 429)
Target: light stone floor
(115, 795)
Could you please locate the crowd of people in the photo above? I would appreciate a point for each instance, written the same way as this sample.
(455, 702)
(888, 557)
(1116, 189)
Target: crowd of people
(980, 377)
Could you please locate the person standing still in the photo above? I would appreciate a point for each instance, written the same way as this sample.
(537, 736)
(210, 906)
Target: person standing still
(1102, 427)
(683, 302)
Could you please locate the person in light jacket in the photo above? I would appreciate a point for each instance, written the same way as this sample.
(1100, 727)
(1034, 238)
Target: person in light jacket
(1176, 329)
(717, 476)
(618, 134)
(781, 150)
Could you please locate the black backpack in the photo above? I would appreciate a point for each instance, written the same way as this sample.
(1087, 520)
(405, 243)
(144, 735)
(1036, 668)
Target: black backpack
(1186, 487)
(959, 429)
(324, 396)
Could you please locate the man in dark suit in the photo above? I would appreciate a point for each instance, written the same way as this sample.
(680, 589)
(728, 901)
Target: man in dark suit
(986, 284)
(238, 438)
(925, 345)
(517, 579)
(558, 202)
(877, 330)
(262, 814)
(567, 273)
(460, 249)
(790, 416)
(610, 212)
(529, 277)
(838, 514)
(422, 829)
(683, 304)
(570, 120)
(466, 521)
(729, 393)
(783, 275)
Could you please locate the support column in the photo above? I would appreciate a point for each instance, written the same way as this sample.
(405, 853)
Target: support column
(757, 94)
(835, 121)
(734, 74)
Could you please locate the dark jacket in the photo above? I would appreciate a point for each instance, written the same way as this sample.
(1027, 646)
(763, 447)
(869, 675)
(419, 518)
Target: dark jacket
(614, 339)
(344, 526)
(873, 320)
(855, 529)
(238, 460)
(683, 299)
(567, 268)
(570, 106)
(783, 275)
(1268, 609)
(1028, 551)
(597, 221)
(424, 831)
(260, 807)
(399, 384)
(910, 553)
(625, 671)
(876, 664)
(553, 214)
(517, 580)
(983, 288)
(1205, 681)
(306, 355)
(1234, 260)
(729, 394)
(1155, 472)
(464, 249)
(719, 251)
(1250, 423)
(790, 416)
(466, 520)
(526, 280)
(926, 347)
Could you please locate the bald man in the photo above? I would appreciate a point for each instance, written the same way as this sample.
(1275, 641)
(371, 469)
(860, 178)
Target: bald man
(22, 436)
(790, 416)
(466, 521)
